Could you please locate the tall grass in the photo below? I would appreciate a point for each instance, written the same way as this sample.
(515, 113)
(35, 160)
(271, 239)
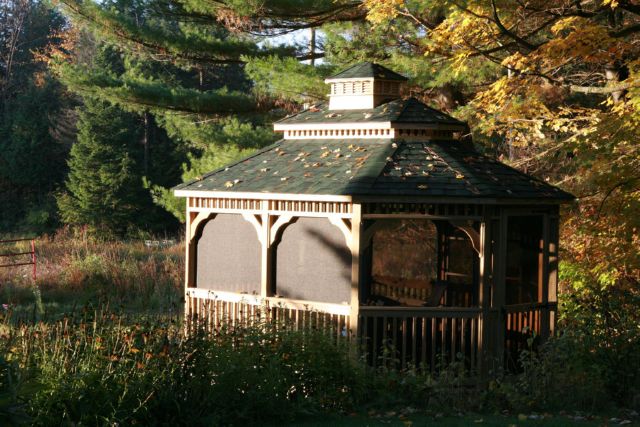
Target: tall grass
(101, 368)
(74, 269)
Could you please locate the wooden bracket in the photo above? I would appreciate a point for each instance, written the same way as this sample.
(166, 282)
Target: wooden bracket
(282, 221)
(344, 224)
(368, 233)
(256, 221)
(199, 219)
(474, 236)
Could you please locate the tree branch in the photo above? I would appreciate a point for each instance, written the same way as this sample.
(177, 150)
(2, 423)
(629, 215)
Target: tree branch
(508, 33)
(603, 89)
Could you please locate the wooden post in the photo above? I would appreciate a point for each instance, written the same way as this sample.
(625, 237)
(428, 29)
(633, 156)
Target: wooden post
(356, 226)
(484, 294)
(543, 292)
(189, 263)
(265, 239)
(498, 298)
(552, 287)
(493, 302)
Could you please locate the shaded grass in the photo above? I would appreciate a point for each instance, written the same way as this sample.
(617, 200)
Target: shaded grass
(419, 420)
(98, 367)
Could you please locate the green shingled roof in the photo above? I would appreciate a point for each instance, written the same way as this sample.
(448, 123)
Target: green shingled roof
(378, 167)
(397, 111)
(368, 70)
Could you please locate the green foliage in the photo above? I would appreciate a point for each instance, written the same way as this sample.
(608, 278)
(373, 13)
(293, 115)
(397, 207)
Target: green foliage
(221, 143)
(286, 79)
(32, 159)
(29, 156)
(97, 367)
(589, 364)
(104, 185)
(139, 93)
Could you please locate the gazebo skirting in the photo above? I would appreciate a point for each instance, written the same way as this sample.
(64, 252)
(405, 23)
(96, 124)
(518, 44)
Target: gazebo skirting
(395, 337)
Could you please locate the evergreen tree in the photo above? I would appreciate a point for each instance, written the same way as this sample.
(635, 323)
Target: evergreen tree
(104, 186)
(32, 158)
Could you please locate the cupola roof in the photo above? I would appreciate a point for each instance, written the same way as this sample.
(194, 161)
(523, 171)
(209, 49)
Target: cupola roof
(366, 70)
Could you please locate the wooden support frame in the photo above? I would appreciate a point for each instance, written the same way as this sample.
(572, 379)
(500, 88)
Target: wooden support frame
(356, 240)
(496, 320)
(485, 252)
(270, 218)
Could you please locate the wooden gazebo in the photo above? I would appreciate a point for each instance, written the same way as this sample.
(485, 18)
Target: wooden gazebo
(375, 218)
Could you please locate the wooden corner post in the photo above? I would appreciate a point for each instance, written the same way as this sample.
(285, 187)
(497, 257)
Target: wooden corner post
(484, 294)
(498, 297)
(356, 227)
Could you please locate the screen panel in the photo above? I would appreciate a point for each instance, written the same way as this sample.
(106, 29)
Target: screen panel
(313, 262)
(228, 255)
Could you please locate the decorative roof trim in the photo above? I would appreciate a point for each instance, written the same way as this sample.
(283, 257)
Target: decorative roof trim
(330, 133)
(406, 133)
(356, 79)
(263, 196)
(329, 125)
(367, 125)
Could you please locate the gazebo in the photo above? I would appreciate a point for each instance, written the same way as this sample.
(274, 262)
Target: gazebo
(376, 219)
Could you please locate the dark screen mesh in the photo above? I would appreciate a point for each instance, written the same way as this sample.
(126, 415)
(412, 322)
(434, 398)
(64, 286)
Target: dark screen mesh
(228, 255)
(313, 262)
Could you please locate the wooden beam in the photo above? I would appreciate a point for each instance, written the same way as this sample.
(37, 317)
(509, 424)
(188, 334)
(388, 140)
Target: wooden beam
(266, 269)
(543, 280)
(486, 249)
(552, 287)
(498, 298)
(356, 227)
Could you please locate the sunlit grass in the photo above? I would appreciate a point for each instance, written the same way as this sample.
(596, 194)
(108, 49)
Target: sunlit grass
(74, 270)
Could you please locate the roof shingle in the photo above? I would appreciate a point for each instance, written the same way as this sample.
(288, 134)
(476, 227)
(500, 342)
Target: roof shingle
(375, 167)
(397, 111)
(368, 70)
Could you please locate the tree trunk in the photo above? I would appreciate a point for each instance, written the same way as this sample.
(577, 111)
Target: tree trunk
(312, 47)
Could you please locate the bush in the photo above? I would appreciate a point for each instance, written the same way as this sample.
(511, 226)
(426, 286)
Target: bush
(100, 368)
(591, 363)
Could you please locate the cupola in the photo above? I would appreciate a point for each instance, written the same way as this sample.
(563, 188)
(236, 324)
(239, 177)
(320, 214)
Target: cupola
(363, 86)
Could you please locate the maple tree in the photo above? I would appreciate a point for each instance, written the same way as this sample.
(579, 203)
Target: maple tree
(554, 87)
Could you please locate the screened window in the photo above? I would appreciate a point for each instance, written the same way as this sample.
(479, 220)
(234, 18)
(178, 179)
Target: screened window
(421, 263)
(524, 259)
(404, 260)
(313, 262)
(228, 256)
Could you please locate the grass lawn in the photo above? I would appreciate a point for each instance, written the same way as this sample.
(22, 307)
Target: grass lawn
(418, 420)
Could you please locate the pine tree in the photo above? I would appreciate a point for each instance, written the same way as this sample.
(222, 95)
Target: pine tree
(104, 186)
(32, 159)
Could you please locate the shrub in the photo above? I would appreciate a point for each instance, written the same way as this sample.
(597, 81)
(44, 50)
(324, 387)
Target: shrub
(591, 363)
(98, 368)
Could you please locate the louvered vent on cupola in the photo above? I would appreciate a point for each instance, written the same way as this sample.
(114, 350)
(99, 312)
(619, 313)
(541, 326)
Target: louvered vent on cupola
(364, 86)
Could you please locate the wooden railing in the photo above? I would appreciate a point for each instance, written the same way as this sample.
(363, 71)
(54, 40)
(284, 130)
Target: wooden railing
(427, 338)
(525, 326)
(211, 310)
(394, 337)
(23, 258)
